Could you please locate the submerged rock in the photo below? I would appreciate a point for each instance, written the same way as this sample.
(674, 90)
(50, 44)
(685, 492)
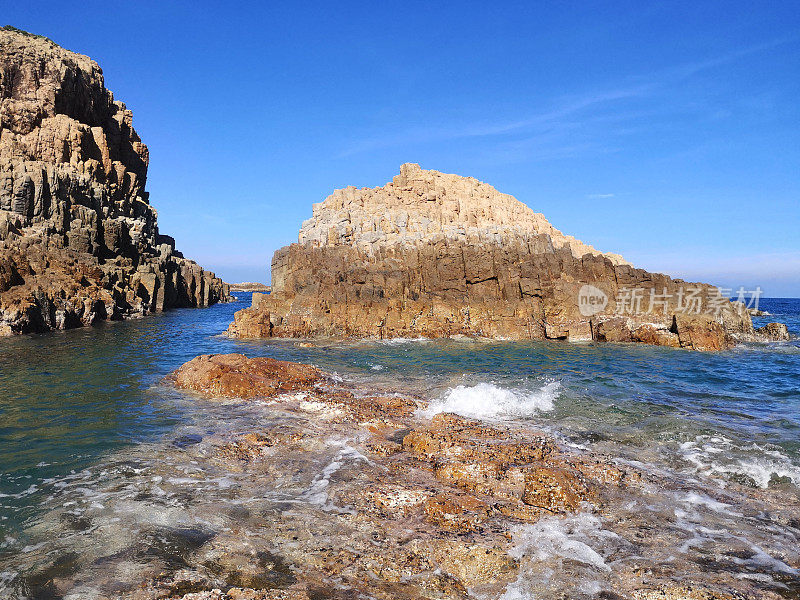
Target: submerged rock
(325, 489)
(437, 255)
(441, 494)
(79, 241)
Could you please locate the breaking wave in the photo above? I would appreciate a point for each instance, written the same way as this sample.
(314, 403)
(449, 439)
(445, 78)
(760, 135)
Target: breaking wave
(488, 401)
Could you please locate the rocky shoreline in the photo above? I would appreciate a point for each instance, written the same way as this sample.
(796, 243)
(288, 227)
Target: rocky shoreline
(79, 240)
(408, 505)
(287, 482)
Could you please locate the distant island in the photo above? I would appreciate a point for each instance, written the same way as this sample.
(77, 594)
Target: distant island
(250, 286)
(437, 255)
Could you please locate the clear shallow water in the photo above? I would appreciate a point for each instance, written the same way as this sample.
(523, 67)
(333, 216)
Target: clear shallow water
(72, 403)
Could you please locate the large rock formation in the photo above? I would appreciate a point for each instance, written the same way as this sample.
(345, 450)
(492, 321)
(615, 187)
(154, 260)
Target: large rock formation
(431, 254)
(79, 240)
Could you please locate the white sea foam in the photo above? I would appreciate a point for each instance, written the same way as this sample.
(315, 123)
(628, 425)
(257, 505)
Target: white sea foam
(402, 340)
(718, 456)
(6, 578)
(542, 547)
(698, 499)
(317, 492)
(488, 401)
(563, 538)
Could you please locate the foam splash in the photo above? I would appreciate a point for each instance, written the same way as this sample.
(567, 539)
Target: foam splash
(703, 500)
(317, 493)
(488, 401)
(543, 547)
(403, 340)
(561, 538)
(718, 456)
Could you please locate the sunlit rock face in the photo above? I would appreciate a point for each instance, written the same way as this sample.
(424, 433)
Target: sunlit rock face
(437, 255)
(79, 240)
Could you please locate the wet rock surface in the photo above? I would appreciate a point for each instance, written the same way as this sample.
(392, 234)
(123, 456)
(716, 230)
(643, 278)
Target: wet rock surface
(79, 240)
(236, 376)
(306, 486)
(437, 255)
(773, 332)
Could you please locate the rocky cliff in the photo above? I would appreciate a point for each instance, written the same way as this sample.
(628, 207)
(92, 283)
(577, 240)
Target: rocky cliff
(79, 240)
(432, 254)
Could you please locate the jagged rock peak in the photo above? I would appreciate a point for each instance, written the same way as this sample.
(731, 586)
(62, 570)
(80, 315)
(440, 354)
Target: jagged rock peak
(420, 203)
(79, 240)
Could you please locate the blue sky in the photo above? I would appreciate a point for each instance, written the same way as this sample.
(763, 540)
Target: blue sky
(668, 132)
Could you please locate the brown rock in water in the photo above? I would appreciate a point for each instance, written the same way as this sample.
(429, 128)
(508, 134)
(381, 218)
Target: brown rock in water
(460, 513)
(236, 376)
(687, 592)
(473, 564)
(79, 241)
(555, 490)
(437, 255)
(773, 332)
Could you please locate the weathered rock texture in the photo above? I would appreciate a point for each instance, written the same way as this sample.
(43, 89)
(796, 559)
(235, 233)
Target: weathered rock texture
(431, 254)
(236, 376)
(436, 507)
(79, 240)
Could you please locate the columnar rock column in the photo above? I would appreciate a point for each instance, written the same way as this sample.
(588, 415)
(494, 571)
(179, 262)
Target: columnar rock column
(79, 240)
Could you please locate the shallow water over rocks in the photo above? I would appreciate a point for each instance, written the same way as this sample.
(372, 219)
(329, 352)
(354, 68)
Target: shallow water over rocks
(115, 484)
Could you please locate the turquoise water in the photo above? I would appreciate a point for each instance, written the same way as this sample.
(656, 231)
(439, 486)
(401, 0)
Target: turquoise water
(69, 400)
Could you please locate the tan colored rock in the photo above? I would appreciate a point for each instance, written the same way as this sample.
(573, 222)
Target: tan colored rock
(460, 513)
(473, 564)
(688, 592)
(437, 255)
(236, 376)
(79, 241)
(553, 489)
(650, 333)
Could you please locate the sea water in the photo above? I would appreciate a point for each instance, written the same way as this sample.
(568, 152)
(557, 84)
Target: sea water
(84, 417)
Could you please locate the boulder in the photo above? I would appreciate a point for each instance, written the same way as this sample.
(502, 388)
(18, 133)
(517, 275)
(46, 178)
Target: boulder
(773, 332)
(236, 376)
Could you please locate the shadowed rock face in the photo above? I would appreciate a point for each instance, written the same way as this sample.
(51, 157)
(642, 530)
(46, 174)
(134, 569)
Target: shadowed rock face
(79, 240)
(436, 255)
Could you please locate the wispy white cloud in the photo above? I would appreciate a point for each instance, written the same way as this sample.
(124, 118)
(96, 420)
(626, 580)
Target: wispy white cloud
(599, 196)
(568, 112)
